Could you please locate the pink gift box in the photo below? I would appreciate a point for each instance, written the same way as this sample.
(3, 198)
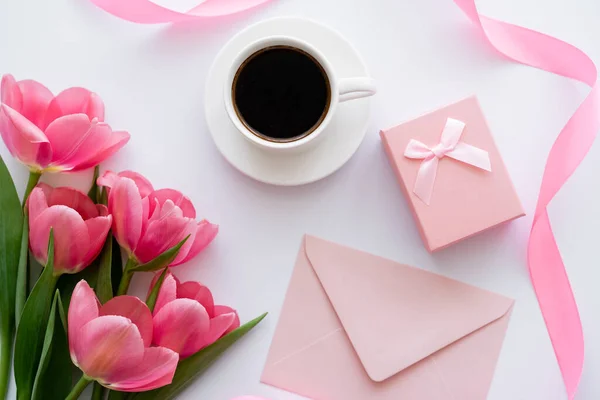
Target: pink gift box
(455, 180)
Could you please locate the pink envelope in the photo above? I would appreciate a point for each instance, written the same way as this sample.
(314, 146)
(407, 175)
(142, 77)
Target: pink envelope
(355, 326)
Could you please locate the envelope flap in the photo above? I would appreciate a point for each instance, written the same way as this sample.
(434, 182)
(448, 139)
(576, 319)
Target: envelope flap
(396, 315)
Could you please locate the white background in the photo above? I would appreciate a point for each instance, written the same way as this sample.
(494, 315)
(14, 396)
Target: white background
(424, 54)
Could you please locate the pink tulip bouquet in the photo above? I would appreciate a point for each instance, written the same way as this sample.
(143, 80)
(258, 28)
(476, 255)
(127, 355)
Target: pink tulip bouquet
(76, 319)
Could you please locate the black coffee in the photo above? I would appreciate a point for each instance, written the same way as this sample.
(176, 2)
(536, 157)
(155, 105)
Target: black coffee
(281, 93)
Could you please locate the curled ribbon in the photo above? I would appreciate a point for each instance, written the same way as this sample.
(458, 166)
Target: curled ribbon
(147, 12)
(449, 146)
(546, 267)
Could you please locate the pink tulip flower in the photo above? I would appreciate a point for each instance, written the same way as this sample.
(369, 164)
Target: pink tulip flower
(62, 133)
(147, 222)
(110, 343)
(79, 227)
(186, 319)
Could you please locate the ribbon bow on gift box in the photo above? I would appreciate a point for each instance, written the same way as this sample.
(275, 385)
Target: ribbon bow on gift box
(449, 146)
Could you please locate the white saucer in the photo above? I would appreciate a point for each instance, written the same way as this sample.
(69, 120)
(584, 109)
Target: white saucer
(341, 138)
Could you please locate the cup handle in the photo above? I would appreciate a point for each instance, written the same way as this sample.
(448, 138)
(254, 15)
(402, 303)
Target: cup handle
(356, 88)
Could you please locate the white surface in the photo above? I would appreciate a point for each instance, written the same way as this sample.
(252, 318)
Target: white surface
(324, 151)
(424, 55)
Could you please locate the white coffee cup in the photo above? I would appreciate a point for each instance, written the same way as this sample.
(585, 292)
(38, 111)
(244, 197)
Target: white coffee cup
(341, 89)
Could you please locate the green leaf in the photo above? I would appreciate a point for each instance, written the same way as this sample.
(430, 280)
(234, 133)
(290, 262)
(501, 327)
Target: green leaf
(91, 274)
(103, 197)
(104, 288)
(163, 260)
(193, 366)
(153, 296)
(22, 288)
(32, 327)
(94, 192)
(35, 271)
(53, 379)
(117, 266)
(34, 178)
(67, 282)
(11, 224)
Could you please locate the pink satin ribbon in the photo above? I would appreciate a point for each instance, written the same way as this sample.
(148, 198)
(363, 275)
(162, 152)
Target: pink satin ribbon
(449, 146)
(147, 12)
(546, 267)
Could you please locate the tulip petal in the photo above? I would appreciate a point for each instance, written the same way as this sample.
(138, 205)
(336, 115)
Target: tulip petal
(74, 199)
(10, 94)
(95, 108)
(88, 146)
(24, 140)
(205, 234)
(181, 201)
(36, 99)
(82, 309)
(158, 210)
(114, 143)
(136, 310)
(185, 249)
(153, 210)
(66, 134)
(161, 215)
(178, 323)
(168, 290)
(75, 100)
(220, 310)
(46, 188)
(102, 210)
(106, 346)
(156, 369)
(36, 203)
(169, 209)
(108, 179)
(98, 230)
(143, 184)
(218, 326)
(145, 215)
(71, 238)
(164, 233)
(200, 293)
(170, 276)
(125, 205)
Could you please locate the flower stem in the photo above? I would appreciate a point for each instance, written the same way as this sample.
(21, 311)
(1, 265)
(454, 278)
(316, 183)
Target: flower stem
(78, 388)
(127, 275)
(34, 178)
(6, 335)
